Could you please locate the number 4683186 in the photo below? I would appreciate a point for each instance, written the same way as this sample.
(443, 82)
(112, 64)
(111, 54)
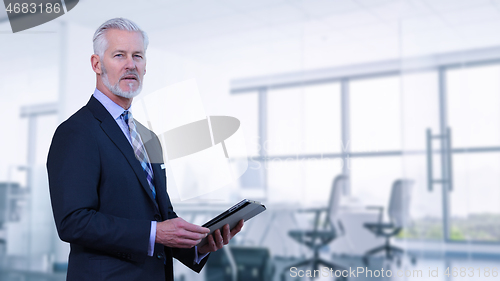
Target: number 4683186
(31, 8)
(471, 272)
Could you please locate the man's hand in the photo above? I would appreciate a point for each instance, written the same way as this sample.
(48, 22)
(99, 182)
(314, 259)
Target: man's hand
(216, 240)
(178, 233)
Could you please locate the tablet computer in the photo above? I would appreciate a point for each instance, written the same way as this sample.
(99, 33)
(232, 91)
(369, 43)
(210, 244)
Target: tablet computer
(245, 209)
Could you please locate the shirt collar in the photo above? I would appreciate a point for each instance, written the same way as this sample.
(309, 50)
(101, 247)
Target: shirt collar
(114, 109)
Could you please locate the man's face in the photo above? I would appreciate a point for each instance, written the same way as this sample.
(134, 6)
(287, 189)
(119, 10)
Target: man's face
(124, 63)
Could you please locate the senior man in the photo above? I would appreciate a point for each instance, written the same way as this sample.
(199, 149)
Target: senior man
(109, 199)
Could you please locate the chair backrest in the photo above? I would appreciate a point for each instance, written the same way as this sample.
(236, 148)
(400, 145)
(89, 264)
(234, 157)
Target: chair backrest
(335, 195)
(399, 204)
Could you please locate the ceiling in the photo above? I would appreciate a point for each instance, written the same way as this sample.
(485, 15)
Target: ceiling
(313, 33)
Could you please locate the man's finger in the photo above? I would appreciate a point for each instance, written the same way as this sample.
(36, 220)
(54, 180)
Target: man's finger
(211, 243)
(237, 228)
(191, 235)
(209, 247)
(187, 243)
(218, 239)
(226, 234)
(195, 228)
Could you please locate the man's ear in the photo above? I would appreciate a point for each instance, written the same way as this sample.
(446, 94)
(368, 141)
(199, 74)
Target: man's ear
(95, 60)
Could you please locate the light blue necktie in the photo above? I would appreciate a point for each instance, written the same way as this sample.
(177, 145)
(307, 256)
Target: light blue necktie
(139, 150)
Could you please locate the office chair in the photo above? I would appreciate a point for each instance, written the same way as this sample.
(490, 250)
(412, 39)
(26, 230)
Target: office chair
(398, 211)
(322, 233)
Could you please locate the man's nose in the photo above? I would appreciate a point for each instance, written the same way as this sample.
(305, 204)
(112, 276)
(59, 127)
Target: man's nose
(130, 63)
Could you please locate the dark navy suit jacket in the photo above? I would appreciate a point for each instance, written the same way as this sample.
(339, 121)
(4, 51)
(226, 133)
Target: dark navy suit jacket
(102, 203)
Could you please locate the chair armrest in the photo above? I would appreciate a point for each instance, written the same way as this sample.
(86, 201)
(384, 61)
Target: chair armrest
(317, 215)
(381, 212)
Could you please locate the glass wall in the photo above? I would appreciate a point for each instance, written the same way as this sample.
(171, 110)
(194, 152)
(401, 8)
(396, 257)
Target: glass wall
(420, 111)
(304, 120)
(375, 129)
(303, 128)
(388, 120)
(474, 116)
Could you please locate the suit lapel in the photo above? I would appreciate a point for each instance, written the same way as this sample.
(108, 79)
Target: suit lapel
(113, 131)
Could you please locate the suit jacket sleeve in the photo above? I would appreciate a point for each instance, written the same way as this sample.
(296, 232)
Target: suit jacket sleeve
(74, 173)
(186, 256)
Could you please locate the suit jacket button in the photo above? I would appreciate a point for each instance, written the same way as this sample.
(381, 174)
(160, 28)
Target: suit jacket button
(157, 217)
(159, 256)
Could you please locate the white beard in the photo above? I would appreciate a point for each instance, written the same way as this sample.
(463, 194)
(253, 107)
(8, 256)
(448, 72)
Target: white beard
(115, 89)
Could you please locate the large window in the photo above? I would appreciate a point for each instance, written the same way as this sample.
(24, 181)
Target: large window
(246, 109)
(475, 199)
(372, 178)
(375, 114)
(420, 112)
(474, 117)
(302, 182)
(303, 128)
(473, 105)
(385, 120)
(304, 120)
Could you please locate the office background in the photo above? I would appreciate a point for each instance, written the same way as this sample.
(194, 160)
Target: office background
(375, 90)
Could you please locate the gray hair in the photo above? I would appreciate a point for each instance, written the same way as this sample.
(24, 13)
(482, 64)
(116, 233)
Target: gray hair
(100, 41)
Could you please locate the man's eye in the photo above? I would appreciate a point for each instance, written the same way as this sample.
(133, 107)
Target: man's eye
(118, 55)
(138, 56)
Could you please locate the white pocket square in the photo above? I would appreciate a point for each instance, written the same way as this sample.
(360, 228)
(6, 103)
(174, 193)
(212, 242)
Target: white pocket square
(162, 166)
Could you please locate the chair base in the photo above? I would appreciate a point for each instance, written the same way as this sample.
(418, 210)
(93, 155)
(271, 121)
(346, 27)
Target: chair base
(313, 263)
(388, 249)
(390, 252)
